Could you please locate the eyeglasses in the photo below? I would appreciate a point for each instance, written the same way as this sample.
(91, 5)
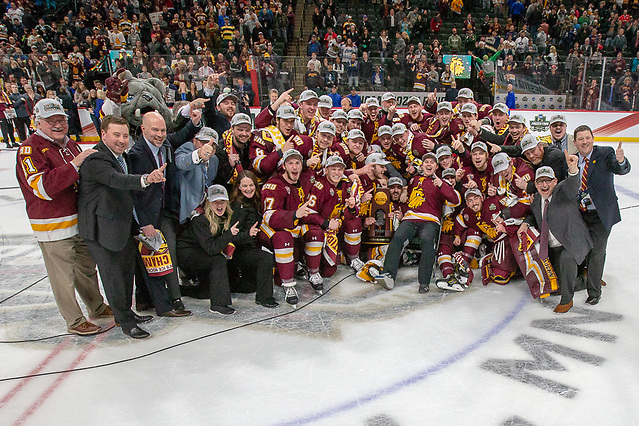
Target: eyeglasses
(53, 121)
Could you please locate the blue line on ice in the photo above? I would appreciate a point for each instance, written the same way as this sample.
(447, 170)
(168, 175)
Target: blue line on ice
(419, 376)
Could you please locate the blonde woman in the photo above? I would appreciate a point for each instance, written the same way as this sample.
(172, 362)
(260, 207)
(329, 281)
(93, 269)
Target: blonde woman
(207, 244)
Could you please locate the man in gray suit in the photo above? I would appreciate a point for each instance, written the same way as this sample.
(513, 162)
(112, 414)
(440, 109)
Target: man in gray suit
(105, 218)
(564, 234)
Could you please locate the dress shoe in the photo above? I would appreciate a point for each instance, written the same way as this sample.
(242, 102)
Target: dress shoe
(268, 303)
(174, 313)
(562, 309)
(142, 318)
(85, 329)
(106, 313)
(222, 310)
(142, 306)
(137, 333)
(178, 305)
(593, 300)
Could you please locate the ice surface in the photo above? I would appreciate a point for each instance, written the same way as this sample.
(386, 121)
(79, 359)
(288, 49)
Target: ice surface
(359, 355)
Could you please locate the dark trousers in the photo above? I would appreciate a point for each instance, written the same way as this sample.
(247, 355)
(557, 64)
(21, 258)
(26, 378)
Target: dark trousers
(151, 289)
(116, 271)
(213, 272)
(597, 257)
(170, 282)
(7, 131)
(22, 127)
(565, 267)
(428, 233)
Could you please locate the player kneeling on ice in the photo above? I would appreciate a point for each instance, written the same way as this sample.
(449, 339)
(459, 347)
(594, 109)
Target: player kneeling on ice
(427, 196)
(334, 219)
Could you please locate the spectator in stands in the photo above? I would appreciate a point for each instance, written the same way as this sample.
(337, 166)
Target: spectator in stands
(352, 71)
(336, 97)
(312, 78)
(454, 42)
(510, 97)
(354, 98)
(365, 70)
(399, 48)
(436, 24)
(314, 46)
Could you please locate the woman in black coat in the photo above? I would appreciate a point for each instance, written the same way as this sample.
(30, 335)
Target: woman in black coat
(218, 243)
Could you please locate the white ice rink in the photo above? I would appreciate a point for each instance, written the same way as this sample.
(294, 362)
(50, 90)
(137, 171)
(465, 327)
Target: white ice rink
(359, 355)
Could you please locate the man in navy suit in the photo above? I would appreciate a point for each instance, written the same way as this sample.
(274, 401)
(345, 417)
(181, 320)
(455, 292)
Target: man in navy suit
(598, 200)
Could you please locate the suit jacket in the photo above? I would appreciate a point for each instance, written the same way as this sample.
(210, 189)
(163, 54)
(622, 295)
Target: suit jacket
(158, 196)
(105, 201)
(564, 218)
(194, 178)
(601, 170)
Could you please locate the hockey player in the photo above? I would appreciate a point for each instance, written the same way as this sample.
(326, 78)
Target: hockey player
(451, 277)
(233, 149)
(324, 106)
(340, 120)
(334, 220)
(268, 145)
(427, 196)
(415, 118)
(389, 107)
(558, 136)
(306, 112)
(355, 120)
(352, 152)
(493, 128)
(372, 119)
(283, 221)
(478, 172)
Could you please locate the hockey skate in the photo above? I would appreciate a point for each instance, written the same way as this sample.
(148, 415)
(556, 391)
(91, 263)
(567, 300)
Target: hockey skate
(357, 264)
(385, 280)
(317, 282)
(291, 297)
(450, 283)
(463, 271)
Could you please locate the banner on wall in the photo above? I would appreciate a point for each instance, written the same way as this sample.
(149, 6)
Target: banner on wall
(534, 101)
(460, 65)
(119, 54)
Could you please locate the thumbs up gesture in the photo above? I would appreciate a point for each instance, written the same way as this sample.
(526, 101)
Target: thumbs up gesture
(619, 154)
(206, 151)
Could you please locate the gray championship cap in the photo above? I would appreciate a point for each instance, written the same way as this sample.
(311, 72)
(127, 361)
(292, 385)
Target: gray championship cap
(443, 151)
(376, 158)
(528, 142)
(46, 108)
(545, 172)
(429, 154)
(448, 172)
(224, 96)
(517, 118)
(355, 134)
(384, 130)
(334, 160)
(325, 101)
(307, 95)
(339, 115)
(465, 93)
(479, 145)
(500, 162)
(413, 99)
(216, 193)
(470, 108)
(355, 114)
(326, 127)
(285, 112)
(290, 154)
(399, 129)
(372, 102)
(241, 118)
(444, 105)
(558, 118)
(500, 107)
(388, 96)
(206, 134)
(395, 181)
(472, 191)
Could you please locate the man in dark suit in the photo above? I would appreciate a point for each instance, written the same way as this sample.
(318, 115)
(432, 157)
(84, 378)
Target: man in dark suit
(564, 236)
(158, 207)
(598, 200)
(105, 218)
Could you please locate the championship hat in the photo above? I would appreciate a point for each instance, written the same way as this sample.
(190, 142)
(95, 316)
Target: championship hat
(528, 142)
(384, 130)
(326, 127)
(46, 108)
(285, 112)
(545, 172)
(241, 118)
(216, 192)
(500, 162)
(376, 158)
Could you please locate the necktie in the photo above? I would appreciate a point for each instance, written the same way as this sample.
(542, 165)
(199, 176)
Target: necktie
(123, 164)
(584, 182)
(160, 158)
(543, 243)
